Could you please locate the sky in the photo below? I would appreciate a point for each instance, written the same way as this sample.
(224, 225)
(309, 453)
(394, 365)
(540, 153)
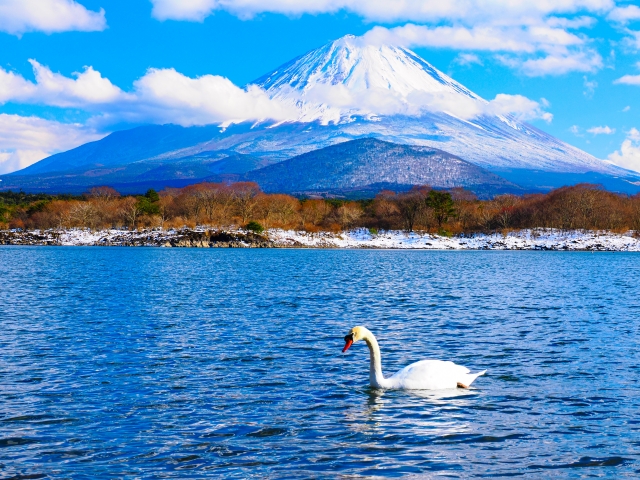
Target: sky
(72, 71)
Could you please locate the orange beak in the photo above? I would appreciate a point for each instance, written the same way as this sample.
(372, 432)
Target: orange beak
(348, 341)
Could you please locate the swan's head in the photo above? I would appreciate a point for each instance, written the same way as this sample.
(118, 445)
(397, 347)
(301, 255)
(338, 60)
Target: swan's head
(354, 335)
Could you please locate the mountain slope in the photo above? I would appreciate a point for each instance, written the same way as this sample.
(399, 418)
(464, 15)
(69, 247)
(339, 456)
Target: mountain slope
(123, 147)
(369, 164)
(137, 177)
(391, 93)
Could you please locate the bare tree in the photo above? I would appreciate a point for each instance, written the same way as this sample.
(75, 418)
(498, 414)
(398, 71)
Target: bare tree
(130, 211)
(635, 214)
(83, 214)
(103, 193)
(506, 208)
(164, 208)
(410, 205)
(348, 214)
(315, 211)
(245, 199)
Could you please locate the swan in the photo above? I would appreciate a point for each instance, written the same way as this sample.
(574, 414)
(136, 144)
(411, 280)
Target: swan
(422, 375)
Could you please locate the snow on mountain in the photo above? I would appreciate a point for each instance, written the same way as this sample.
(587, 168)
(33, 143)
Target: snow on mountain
(346, 78)
(393, 94)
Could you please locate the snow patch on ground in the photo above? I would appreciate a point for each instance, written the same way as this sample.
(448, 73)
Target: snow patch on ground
(87, 237)
(538, 239)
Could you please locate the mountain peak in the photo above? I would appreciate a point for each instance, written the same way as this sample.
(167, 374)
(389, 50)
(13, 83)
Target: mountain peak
(352, 62)
(348, 76)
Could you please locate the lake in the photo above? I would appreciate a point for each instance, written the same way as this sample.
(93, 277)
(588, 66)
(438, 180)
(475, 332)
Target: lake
(190, 363)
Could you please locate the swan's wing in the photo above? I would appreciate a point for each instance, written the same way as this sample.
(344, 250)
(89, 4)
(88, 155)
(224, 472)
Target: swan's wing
(469, 378)
(431, 375)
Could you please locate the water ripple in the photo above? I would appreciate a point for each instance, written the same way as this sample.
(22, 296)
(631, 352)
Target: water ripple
(155, 363)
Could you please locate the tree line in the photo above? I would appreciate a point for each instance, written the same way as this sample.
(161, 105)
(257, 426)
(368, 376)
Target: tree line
(243, 204)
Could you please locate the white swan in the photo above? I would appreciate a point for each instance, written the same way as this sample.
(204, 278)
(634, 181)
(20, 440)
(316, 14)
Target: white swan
(422, 375)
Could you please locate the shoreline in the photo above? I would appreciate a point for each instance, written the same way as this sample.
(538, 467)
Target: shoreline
(536, 239)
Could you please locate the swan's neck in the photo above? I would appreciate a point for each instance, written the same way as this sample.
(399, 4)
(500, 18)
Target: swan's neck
(376, 378)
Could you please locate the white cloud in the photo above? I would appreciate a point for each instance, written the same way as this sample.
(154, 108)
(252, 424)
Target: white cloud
(519, 106)
(627, 108)
(536, 49)
(629, 154)
(192, 10)
(577, 22)
(575, 129)
(565, 62)
(25, 140)
(517, 39)
(87, 88)
(625, 14)
(606, 130)
(467, 59)
(628, 80)
(168, 96)
(334, 102)
(14, 87)
(49, 16)
(589, 87)
(381, 10)
(632, 40)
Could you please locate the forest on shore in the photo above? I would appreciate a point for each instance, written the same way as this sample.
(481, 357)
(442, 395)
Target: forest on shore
(243, 204)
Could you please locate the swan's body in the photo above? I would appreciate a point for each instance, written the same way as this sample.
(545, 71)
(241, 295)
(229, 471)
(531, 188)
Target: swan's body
(422, 375)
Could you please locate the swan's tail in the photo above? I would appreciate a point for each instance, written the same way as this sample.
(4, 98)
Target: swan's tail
(469, 378)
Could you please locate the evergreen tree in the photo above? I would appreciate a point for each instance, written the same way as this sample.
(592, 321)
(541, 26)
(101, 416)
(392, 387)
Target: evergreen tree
(152, 195)
(442, 205)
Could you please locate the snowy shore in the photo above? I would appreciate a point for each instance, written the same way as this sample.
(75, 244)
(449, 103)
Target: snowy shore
(538, 239)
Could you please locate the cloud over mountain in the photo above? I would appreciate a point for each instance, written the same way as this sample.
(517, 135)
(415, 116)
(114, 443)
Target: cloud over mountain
(159, 96)
(167, 96)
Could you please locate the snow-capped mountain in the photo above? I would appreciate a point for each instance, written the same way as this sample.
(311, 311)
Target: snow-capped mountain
(345, 90)
(393, 94)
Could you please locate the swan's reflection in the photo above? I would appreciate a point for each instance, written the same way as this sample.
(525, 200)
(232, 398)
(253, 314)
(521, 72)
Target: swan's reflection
(459, 396)
(424, 413)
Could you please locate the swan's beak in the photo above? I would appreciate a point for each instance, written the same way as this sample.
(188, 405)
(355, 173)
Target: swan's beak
(348, 341)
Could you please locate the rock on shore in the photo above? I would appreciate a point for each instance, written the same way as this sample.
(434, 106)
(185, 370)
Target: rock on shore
(142, 238)
(537, 239)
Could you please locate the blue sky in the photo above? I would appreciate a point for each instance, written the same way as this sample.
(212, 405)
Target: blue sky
(72, 71)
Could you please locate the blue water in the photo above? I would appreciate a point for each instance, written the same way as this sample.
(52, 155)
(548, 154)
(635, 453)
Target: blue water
(189, 363)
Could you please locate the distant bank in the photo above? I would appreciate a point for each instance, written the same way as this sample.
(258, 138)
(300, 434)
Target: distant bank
(536, 239)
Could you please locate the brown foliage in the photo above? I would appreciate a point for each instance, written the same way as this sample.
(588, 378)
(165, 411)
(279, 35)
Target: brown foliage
(348, 214)
(315, 212)
(278, 210)
(216, 204)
